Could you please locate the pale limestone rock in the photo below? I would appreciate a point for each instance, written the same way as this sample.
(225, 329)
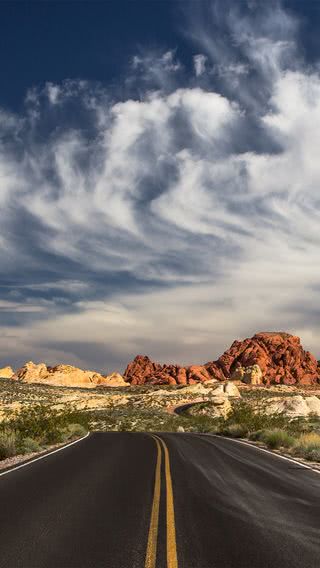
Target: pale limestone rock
(252, 375)
(231, 389)
(313, 403)
(210, 383)
(291, 406)
(218, 407)
(222, 407)
(66, 376)
(6, 372)
(115, 380)
(197, 388)
(219, 390)
(31, 373)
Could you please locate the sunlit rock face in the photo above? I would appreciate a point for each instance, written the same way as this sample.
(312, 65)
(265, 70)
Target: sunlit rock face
(270, 357)
(6, 372)
(294, 406)
(266, 358)
(66, 375)
(143, 370)
(250, 375)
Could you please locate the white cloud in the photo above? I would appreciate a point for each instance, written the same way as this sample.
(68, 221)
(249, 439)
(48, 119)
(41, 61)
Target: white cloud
(165, 191)
(199, 62)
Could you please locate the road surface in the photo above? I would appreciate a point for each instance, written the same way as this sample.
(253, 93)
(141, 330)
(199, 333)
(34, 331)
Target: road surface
(131, 500)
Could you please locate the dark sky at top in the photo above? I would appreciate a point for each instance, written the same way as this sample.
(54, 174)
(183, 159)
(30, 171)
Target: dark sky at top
(53, 40)
(159, 177)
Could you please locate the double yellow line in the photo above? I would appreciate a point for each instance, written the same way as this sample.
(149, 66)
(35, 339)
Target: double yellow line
(151, 555)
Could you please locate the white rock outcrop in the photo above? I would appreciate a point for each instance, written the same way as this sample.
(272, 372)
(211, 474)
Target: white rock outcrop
(293, 406)
(227, 389)
(66, 376)
(6, 373)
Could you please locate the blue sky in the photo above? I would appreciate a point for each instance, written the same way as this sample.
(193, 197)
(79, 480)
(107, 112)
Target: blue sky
(159, 178)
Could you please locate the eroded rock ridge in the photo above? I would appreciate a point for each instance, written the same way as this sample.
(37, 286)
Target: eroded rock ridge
(266, 358)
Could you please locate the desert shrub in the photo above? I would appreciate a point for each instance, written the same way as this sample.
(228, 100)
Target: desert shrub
(72, 431)
(308, 446)
(256, 436)
(243, 413)
(277, 438)
(8, 444)
(45, 424)
(29, 445)
(235, 430)
(201, 423)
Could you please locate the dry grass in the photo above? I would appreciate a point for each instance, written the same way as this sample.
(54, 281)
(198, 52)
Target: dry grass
(8, 444)
(308, 446)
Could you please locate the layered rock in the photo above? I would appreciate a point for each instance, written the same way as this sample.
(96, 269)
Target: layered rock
(6, 372)
(294, 406)
(271, 358)
(218, 407)
(114, 380)
(266, 358)
(250, 375)
(142, 370)
(65, 375)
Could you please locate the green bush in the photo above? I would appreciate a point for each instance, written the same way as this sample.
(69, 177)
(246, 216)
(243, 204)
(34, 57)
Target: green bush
(45, 423)
(38, 425)
(277, 438)
(256, 436)
(29, 445)
(314, 455)
(72, 431)
(8, 444)
(242, 413)
(201, 423)
(235, 430)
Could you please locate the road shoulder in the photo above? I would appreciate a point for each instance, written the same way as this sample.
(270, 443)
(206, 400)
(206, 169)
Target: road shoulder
(21, 460)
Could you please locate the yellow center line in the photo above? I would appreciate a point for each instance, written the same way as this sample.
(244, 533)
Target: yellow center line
(172, 560)
(151, 554)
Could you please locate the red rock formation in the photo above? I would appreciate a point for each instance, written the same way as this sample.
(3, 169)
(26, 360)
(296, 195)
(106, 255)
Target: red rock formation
(142, 370)
(279, 355)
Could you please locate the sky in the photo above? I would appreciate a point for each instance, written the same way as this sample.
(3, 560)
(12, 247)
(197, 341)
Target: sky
(159, 178)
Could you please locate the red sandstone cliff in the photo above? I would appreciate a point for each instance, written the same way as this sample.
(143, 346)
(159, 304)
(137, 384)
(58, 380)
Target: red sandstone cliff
(279, 355)
(142, 370)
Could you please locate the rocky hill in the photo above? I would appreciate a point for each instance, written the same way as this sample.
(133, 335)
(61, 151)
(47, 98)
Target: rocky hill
(65, 375)
(6, 372)
(279, 356)
(266, 358)
(142, 370)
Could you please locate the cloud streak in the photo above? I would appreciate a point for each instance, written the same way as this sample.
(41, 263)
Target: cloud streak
(169, 222)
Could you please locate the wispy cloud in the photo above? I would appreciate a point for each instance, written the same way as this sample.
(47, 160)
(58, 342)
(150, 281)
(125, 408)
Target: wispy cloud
(169, 221)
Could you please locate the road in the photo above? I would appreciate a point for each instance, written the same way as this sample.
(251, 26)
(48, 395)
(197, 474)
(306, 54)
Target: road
(131, 500)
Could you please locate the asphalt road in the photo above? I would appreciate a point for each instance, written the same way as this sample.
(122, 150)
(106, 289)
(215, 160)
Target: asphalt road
(122, 500)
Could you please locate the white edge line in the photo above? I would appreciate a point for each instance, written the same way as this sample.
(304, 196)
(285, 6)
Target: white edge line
(267, 451)
(44, 456)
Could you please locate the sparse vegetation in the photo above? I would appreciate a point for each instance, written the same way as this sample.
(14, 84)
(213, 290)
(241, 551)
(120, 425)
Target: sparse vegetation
(35, 416)
(276, 438)
(235, 430)
(8, 443)
(28, 446)
(37, 426)
(308, 446)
